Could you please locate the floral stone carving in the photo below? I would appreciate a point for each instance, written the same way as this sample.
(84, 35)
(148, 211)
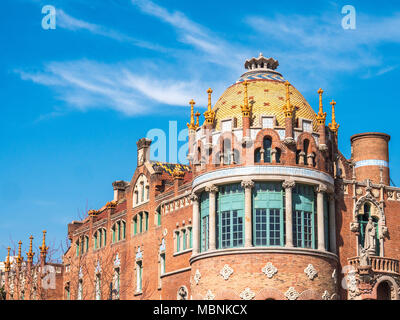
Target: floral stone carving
(292, 294)
(311, 272)
(247, 294)
(226, 272)
(197, 276)
(209, 295)
(270, 270)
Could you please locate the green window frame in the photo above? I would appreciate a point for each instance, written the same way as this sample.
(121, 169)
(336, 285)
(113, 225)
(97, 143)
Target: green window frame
(190, 238)
(135, 226)
(123, 230)
(114, 233)
(230, 216)
(158, 218)
(139, 274)
(140, 222)
(178, 241)
(204, 222)
(146, 215)
(326, 222)
(304, 216)
(184, 239)
(268, 214)
(95, 240)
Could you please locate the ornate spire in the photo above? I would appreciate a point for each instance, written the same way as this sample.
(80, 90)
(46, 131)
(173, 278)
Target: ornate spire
(7, 264)
(192, 125)
(30, 253)
(43, 248)
(197, 115)
(209, 114)
(288, 108)
(334, 126)
(245, 108)
(19, 257)
(321, 117)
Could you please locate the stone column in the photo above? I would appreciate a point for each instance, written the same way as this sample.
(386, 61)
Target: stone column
(320, 216)
(212, 190)
(195, 224)
(288, 186)
(332, 223)
(248, 239)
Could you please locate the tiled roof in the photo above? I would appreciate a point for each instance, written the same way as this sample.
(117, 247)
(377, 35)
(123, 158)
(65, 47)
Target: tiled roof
(268, 91)
(170, 167)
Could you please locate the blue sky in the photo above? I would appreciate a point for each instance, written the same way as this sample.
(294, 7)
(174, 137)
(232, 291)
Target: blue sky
(76, 99)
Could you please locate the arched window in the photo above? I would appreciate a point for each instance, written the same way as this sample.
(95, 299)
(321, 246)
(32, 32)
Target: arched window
(141, 191)
(268, 218)
(257, 155)
(236, 156)
(119, 231)
(227, 149)
(304, 216)
(99, 238)
(267, 143)
(306, 144)
(363, 219)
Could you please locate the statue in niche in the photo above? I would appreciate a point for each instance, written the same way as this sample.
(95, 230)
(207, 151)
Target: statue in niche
(370, 237)
(364, 259)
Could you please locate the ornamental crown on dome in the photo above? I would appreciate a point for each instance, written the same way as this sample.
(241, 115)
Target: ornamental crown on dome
(261, 63)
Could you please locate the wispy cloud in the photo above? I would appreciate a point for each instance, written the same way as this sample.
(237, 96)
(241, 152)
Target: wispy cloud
(68, 22)
(87, 84)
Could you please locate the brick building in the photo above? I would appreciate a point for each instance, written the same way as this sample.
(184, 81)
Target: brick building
(268, 208)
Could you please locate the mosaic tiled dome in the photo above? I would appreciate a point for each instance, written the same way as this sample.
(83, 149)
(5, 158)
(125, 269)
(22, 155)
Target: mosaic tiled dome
(267, 94)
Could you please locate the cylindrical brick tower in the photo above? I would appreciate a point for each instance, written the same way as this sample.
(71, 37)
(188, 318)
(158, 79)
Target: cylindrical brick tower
(370, 153)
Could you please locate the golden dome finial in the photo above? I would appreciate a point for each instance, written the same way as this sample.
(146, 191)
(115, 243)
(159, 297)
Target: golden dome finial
(245, 108)
(7, 264)
(321, 117)
(19, 257)
(191, 125)
(197, 115)
(288, 108)
(334, 126)
(30, 253)
(43, 248)
(209, 114)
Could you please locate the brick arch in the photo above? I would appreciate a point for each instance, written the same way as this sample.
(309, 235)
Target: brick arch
(309, 294)
(392, 283)
(270, 293)
(235, 144)
(276, 140)
(227, 294)
(311, 139)
(196, 156)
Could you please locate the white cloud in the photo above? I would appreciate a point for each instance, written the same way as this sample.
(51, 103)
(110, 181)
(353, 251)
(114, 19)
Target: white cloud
(68, 22)
(87, 84)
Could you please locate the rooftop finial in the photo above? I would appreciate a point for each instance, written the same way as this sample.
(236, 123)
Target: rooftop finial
(288, 108)
(321, 117)
(7, 264)
(30, 253)
(191, 125)
(19, 257)
(245, 107)
(43, 248)
(209, 114)
(197, 115)
(334, 126)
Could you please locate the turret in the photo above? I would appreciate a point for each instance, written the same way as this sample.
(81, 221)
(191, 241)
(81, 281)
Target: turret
(321, 118)
(370, 155)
